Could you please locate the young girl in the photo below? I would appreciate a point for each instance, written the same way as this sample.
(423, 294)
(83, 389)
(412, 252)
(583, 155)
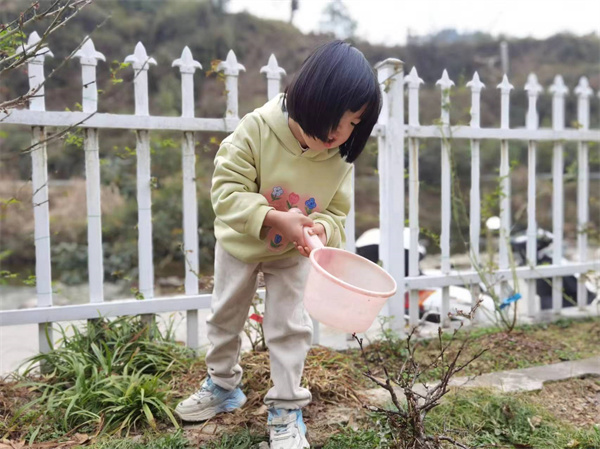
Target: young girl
(286, 166)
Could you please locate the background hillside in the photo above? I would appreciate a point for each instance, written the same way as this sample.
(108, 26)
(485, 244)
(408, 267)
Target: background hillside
(165, 27)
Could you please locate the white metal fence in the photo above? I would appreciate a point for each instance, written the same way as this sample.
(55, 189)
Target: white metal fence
(391, 132)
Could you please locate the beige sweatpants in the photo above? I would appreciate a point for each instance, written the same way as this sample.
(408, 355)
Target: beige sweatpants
(287, 325)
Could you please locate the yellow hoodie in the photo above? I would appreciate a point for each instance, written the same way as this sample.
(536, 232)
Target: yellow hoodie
(261, 166)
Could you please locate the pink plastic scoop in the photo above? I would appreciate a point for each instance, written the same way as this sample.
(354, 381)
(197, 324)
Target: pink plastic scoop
(344, 290)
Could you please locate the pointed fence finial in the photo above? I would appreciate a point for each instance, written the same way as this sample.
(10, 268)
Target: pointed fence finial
(558, 90)
(272, 69)
(583, 89)
(35, 70)
(274, 74)
(505, 88)
(231, 66)
(413, 80)
(32, 42)
(89, 57)
(476, 86)
(505, 85)
(445, 84)
(186, 62)
(140, 59)
(187, 66)
(141, 63)
(231, 69)
(533, 88)
(414, 83)
(583, 92)
(87, 54)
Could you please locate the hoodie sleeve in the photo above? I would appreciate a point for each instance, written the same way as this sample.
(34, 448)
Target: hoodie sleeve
(333, 218)
(234, 192)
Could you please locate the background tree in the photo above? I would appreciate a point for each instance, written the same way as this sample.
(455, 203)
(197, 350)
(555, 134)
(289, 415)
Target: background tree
(336, 19)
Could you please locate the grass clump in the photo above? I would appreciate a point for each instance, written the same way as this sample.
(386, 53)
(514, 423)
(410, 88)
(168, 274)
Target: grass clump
(175, 440)
(240, 440)
(483, 418)
(110, 377)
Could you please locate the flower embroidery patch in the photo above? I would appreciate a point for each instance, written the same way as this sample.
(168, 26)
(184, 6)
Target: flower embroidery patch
(311, 205)
(276, 242)
(283, 201)
(276, 193)
(292, 200)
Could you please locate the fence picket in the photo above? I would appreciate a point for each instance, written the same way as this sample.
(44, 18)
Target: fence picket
(89, 57)
(141, 63)
(505, 209)
(533, 89)
(39, 184)
(583, 93)
(475, 195)
(413, 82)
(559, 91)
(445, 84)
(187, 66)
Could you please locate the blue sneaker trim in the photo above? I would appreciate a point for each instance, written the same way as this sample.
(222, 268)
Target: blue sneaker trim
(298, 412)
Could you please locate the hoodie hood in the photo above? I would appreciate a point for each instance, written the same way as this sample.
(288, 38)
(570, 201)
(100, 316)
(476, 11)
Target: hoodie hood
(277, 120)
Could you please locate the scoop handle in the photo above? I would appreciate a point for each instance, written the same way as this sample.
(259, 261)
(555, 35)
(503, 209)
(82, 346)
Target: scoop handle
(313, 241)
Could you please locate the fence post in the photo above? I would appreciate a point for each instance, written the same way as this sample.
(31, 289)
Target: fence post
(39, 181)
(533, 89)
(445, 84)
(584, 93)
(391, 183)
(559, 91)
(88, 56)
(413, 82)
(274, 74)
(187, 66)
(475, 195)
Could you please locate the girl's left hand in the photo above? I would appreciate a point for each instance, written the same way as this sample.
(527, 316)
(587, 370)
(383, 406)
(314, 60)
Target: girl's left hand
(319, 230)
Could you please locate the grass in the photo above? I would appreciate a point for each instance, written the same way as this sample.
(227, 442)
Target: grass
(240, 440)
(478, 418)
(482, 418)
(149, 441)
(111, 377)
(526, 346)
(123, 376)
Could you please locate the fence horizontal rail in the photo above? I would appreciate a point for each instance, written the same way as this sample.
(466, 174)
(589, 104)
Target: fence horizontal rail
(472, 277)
(466, 132)
(116, 121)
(68, 119)
(104, 309)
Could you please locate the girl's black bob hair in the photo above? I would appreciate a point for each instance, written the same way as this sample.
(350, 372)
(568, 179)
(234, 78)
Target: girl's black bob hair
(334, 79)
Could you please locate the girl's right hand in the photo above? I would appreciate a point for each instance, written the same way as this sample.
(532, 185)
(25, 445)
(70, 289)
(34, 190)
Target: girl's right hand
(290, 225)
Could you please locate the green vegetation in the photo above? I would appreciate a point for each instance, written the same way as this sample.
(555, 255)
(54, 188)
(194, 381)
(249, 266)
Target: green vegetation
(525, 346)
(123, 376)
(112, 377)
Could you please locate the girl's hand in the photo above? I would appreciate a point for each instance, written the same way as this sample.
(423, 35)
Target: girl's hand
(317, 229)
(289, 224)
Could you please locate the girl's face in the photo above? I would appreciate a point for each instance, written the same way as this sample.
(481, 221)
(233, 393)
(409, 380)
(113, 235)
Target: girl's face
(336, 137)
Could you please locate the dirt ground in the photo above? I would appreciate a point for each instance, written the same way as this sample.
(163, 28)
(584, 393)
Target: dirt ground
(576, 401)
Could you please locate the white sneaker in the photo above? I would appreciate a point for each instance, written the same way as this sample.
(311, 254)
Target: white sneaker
(209, 401)
(287, 429)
